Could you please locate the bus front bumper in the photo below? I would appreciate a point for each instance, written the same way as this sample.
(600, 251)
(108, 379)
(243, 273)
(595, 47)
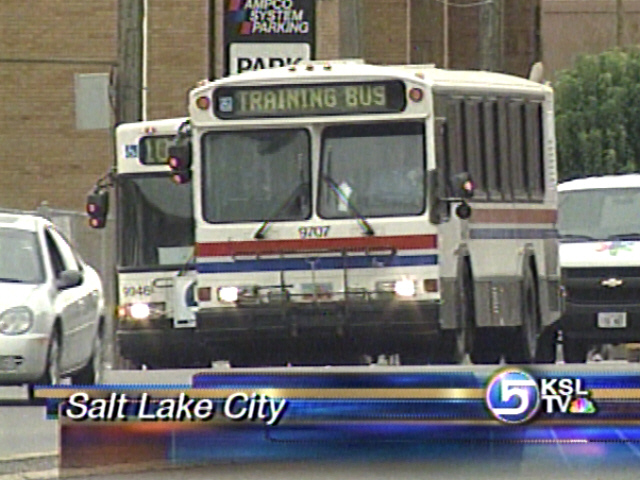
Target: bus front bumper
(370, 326)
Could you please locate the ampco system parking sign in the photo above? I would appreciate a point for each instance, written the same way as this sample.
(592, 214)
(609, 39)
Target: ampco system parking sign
(267, 33)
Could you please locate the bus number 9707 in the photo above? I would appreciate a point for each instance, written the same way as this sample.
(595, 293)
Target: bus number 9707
(313, 232)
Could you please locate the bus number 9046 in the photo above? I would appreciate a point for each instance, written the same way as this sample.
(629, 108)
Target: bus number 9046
(140, 290)
(313, 232)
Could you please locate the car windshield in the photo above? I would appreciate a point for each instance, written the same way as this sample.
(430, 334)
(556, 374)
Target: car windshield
(155, 221)
(600, 214)
(20, 257)
(256, 175)
(379, 170)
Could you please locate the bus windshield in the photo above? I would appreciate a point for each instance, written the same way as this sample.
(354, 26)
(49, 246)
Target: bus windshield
(256, 175)
(156, 226)
(378, 168)
(600, 214)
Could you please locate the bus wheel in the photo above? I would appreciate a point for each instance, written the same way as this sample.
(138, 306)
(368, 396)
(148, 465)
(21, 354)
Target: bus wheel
(523, 347)
(452, 345)
(575, 351)
(486, 347)
(449, 347)
(546, 347)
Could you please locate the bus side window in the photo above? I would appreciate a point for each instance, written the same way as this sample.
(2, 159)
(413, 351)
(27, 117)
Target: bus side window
(502, 136)
(475, 151)
(517, 153)
(534, 148)
(457, 148)
(491, 143)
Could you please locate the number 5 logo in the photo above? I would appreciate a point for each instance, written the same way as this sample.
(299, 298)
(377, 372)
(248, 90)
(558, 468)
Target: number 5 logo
(512, 396)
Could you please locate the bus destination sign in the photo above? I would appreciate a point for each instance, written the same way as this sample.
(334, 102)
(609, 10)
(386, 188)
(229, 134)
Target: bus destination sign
(154, 150)
(309, 100)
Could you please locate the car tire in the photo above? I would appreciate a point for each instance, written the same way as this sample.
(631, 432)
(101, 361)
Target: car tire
(91, 373)
(51, 375)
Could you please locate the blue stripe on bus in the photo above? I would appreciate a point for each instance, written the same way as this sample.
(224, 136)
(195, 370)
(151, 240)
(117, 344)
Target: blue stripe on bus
(322, 263)
(512, 233)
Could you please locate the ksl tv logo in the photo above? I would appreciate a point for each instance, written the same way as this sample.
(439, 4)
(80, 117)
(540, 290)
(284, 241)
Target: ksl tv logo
(514, 396)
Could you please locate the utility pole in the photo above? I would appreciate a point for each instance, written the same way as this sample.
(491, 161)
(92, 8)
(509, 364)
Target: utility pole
(619, 20)
(128, 84)
(491, 35)
(445, 33)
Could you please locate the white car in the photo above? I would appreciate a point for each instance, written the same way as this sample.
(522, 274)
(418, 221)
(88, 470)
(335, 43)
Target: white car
(51, 307)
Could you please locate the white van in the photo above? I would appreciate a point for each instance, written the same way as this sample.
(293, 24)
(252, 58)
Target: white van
(599, 228)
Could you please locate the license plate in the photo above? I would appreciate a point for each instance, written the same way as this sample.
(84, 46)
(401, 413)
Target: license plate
(612, 320)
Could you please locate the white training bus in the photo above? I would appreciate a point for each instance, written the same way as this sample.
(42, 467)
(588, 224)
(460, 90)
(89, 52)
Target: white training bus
(344, 211)
(154, 237)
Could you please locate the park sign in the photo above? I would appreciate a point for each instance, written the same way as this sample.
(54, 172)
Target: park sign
(267, 33)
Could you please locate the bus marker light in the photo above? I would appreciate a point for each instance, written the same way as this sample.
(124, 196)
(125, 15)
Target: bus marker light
(204, 294)
(430, 285)
(203, 103)
(416, 94)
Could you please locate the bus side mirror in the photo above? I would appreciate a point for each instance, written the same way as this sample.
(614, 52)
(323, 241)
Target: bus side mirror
(439, 206)
(98, 208)
(180, 162)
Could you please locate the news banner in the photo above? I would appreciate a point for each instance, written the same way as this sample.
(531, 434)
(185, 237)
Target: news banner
(288, 414)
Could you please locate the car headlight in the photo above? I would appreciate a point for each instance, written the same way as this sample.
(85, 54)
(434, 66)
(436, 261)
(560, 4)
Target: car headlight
(16, 321)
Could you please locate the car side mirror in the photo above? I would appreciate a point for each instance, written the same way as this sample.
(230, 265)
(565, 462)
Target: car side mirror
(69, 279)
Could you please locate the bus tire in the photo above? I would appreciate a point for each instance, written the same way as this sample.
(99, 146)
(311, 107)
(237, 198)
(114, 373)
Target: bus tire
(546, 346)
(486, 349)
(523, 347)
(453, 345)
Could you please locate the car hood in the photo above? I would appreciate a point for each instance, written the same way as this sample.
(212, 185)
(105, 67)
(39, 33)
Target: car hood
(600, 254)
(15, 294)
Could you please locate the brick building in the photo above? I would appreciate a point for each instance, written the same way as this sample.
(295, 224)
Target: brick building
(599, 25)
(45, 43)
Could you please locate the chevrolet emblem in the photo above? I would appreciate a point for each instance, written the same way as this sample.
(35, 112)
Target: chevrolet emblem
(611, 282)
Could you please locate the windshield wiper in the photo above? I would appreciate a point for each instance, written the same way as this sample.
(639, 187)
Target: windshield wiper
(583, 238)
(12, 280)
(624, 236)
(333, 186)
(259, 235)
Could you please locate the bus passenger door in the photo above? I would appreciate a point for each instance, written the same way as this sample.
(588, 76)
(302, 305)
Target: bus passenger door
(183, 300)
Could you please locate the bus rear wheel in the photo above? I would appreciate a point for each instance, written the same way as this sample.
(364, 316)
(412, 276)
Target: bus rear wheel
(523, 347)
(452, 345)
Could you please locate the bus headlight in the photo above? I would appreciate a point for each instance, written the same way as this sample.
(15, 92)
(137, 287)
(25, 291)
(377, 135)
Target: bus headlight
(228, 294)
(140, 311)
(405, 288)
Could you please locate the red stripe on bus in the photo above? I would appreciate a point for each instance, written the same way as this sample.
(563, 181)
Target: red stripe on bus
(495, 215)
(405, 242)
